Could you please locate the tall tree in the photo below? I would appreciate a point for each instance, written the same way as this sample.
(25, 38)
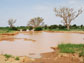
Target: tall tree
(35, 22)
(68, 15)
(11, 22)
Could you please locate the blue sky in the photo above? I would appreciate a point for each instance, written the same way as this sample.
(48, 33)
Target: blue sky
(24, 10)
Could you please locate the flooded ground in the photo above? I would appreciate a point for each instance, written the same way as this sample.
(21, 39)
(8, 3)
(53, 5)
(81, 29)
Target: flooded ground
(33, 43)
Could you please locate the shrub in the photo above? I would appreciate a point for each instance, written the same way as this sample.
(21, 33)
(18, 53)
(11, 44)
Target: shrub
(62, 27)
(13, 28)
(81, 26)
(53, 26)
(17, 58)
(74, 26)
(38, 29)
(45, 27)
(81, 54)
(30, 28)
(24, 29)
(7, 56)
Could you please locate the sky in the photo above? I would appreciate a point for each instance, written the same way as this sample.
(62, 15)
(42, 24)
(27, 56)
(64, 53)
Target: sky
(24, 10)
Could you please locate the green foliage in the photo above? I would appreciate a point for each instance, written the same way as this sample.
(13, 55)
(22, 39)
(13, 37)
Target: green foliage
(17, 58)
(6, 30)
(53, 27)
(57, 27)
(81, 54)
(71, 48)
(45, 27)
(61, 27)
(13, 28)
(81, 26)
(38, 29)
(74, 26)
(50, 28)
(30, 28)
(7, 56)
(67, 50)
(24, 28)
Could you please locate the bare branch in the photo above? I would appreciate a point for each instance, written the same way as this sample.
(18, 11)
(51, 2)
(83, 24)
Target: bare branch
(11, 22)
(67, 14)
(35, 22)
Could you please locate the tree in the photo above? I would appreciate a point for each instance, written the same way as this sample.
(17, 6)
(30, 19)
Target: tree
(68, 15)
(11, 22)
(81, 26)
(36, 22)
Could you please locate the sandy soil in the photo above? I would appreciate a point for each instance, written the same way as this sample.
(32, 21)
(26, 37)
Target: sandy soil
(56, 57)
(52, 57)
(24, 59)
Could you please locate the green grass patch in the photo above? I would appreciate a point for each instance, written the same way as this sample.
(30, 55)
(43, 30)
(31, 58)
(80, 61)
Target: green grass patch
(6, 31)
(7, 56)
(17, 58)
(71, 48)
(81, 54)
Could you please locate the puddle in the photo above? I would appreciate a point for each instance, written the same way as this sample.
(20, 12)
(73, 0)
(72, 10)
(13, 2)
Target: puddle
(34, 43)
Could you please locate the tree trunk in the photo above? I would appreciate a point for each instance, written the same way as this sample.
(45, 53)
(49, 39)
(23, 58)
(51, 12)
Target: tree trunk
(68, 26)
(11, 26)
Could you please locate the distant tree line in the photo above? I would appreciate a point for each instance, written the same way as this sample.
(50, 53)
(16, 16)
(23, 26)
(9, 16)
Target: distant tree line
(46, 27)
(74, 26)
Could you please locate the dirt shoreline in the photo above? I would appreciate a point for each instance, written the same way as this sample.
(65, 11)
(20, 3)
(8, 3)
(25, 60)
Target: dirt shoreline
(81, 32)
(15, 33)
(51, 57)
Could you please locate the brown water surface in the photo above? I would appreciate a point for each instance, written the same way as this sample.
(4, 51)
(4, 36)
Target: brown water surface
(34, 43)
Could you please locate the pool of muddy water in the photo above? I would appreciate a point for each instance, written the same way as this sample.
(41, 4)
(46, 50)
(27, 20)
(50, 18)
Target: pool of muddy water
(32, 44)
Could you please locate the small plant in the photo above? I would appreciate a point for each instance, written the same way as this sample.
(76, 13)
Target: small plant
(30, 28)
(17, 58)
(13, 29)
(24, 29)
(38, 29)
(53, 27)
(7, 56)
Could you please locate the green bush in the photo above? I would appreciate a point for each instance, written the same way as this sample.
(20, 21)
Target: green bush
(13, 28)
(74, 26)
(7, 56)
(45, 27)
(30, 28)
(17, 58)
(62, 27)
(53, 27)
(24, 29)
(81, 26)
(38, 29)
(81, 54)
